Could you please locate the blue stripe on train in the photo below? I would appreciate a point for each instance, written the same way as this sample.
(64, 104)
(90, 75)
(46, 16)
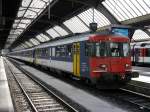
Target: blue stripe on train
(84, 61)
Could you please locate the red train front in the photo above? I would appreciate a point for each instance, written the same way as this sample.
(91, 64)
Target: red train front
(110, 59)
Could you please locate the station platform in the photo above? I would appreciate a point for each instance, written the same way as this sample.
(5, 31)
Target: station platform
(6, 104)
(144, 74)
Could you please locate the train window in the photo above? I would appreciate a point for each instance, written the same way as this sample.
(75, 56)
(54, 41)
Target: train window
(46, 52)
(126, 49)
(114, 49)
(40, 50)
(147, 52)
(96, 49)
(101, 49)
(53, 51)
(69, 50)
(61, 51)
(58, 51)
(50, 54)
(89, 49)
(118, 49)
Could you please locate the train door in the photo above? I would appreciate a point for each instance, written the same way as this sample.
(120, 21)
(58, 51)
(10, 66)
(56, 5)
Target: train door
(76, 59)
(36, 56)
(137, 55)
(143, 54)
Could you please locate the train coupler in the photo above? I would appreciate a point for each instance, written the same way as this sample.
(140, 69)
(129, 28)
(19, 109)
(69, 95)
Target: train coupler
(134, 74)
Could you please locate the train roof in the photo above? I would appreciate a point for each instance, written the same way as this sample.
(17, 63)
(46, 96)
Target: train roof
(140, 43)
(71, 38)
(74, 38)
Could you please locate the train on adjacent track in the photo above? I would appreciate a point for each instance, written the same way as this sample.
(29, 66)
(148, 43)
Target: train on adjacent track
(140, 53)
(96, 57)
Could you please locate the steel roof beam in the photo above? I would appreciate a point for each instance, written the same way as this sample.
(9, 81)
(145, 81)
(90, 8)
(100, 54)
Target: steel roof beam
(31, 7)
(136, 20)
(147, 32)
(37, 40)
(52, 4)
(90, 3)
(49, 36)
(107, 14)
(66, 28)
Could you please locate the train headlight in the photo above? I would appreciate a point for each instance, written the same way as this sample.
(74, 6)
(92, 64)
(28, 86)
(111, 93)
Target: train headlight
(127, 65)
(103, 67)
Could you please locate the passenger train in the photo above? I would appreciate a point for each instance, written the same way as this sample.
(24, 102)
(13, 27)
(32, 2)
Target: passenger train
(97, 57)
(140, 53)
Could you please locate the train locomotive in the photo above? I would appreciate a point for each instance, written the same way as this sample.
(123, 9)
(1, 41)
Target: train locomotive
(94, 57)
(140, 53)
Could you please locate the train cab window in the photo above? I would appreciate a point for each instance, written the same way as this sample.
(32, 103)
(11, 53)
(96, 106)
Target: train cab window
(98, 49)
(126, 49)
(118, 49)
(89, 49)
(114, 49)
(101, 49)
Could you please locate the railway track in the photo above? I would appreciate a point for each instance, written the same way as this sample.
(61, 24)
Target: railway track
(137, 99)
(140, 100)
(35, 96)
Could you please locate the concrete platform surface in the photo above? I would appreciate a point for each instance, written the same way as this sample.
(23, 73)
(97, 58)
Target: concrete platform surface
(144, 74)
(6, 104)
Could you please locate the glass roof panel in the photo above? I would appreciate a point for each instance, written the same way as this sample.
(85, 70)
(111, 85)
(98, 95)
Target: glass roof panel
(121, 8)
(26, 21)
(76, 25)
(15, 25)
(25, 45)
(144, 5)
(114, 11)
(26, 3)
(133, 8)
(12, 36)
(34, 41)
(20, 13)
(53, 33)
(45, 37)
(37, 4)
(29, 44)
(40, 38)
(27, 12)
(146, 2)
(21, 26)
(20, 47)
(127, 9)
(99, 18)
(17, 20)
(30, 14)
(140, 35)
(60, 30)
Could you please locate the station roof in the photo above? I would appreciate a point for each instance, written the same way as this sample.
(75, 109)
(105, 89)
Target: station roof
(38, 21)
